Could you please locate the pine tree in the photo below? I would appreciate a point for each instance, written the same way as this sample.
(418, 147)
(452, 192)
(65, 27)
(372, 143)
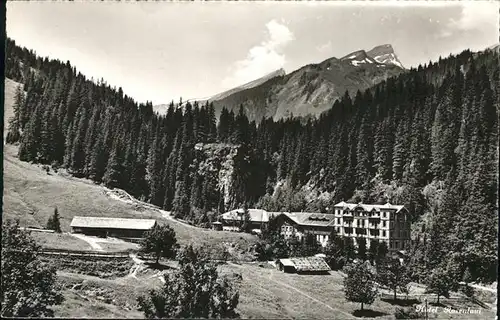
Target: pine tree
(78, 148)
(30, 141)
(53, 223)
(113, 176)
(14, 134)
(362, 248)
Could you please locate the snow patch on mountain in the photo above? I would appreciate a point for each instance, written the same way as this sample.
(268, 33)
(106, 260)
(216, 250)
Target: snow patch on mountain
(358, 62)
(385, 54)
(388, 59)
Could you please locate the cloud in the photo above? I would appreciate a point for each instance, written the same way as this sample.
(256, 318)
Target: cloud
(326, 47)
(473, 16)
(262, 59)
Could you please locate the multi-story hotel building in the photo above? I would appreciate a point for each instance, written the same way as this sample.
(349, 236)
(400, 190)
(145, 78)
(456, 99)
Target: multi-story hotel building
(388, 223)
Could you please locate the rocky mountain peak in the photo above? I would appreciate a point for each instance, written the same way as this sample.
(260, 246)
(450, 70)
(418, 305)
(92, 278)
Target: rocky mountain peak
(380, 50)
(356, 55)
(385, 54)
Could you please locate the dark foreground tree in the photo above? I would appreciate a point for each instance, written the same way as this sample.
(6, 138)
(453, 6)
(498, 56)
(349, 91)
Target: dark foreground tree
(53, 223)
(28, 286)
(160, 241)
(195, 291)
(359, 284)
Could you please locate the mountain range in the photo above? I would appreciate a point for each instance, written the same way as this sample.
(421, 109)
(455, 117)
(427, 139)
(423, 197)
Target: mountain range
(310, 90)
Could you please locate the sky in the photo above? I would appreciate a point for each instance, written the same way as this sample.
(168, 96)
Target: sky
(160, 51)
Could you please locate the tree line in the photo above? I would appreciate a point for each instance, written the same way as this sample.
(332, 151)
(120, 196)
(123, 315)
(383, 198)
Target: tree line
(426, 139)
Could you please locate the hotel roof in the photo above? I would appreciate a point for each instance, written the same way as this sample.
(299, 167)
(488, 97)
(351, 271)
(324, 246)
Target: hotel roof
(369, 207)
(256, 215)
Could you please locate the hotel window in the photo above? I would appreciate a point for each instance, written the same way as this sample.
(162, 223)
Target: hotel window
(383, 233)
(384, 224)
(402, 244)
(396, 245)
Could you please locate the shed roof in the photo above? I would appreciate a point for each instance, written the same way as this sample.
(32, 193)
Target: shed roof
(287, 262)
(310, 264)
(306, 264)
(112, 223)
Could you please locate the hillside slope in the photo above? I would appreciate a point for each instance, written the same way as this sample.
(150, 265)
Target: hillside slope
(30, 195)
(314, 88)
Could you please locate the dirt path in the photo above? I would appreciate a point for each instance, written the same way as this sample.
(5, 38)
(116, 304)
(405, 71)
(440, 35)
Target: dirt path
(138, 265)
(344, 315)
(479, 287)
(91, 241)
(131, 200)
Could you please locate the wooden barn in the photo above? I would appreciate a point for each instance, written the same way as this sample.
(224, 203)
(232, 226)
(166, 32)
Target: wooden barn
(112, 227)
(311, 265)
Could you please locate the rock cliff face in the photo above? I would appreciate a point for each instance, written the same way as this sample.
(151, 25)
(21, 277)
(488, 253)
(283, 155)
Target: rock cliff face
(215, 162)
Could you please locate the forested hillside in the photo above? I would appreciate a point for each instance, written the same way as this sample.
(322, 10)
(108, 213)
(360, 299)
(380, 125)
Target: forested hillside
(426, 139)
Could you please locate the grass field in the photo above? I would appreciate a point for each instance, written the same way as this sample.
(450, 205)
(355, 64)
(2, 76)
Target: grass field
(268, 293)
(60, 241)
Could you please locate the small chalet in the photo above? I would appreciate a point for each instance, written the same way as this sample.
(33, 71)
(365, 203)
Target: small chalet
(303, 223)
(259, 219)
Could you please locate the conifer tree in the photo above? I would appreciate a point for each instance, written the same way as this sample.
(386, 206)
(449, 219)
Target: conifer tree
(14, 133)
(53, 223)
(113, 176)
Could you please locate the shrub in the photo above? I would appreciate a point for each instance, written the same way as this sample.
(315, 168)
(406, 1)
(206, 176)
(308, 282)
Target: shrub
(406, 313)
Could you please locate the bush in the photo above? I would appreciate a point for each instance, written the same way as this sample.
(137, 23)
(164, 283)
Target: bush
(28, 286)
(467, 290)
(406, 313)
(195, 291)
(46, 168)
(102, 267)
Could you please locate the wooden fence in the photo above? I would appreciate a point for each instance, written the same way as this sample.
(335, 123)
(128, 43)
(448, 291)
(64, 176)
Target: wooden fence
(84, 253)
(432, 298)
